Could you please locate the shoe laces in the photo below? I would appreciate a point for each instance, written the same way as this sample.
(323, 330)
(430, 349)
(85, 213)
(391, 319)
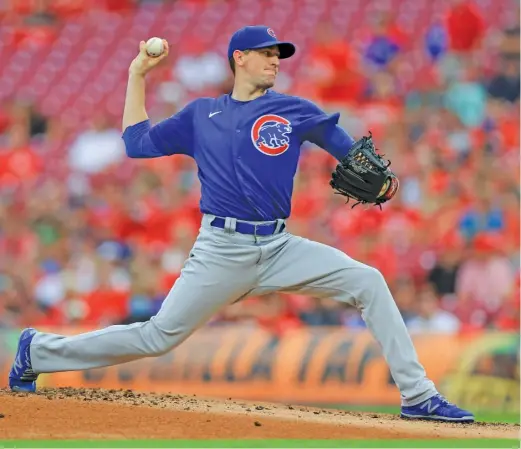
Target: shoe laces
(444, 401)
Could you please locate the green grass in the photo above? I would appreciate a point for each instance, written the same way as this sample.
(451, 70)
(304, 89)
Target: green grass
(483, 416)
(481, 443)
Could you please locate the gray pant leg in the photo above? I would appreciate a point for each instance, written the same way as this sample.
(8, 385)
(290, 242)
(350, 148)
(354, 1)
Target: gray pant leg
(205, 286)
(311, 268)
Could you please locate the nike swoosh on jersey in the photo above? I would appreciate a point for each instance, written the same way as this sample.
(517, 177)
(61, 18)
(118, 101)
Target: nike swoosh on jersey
(211, 114)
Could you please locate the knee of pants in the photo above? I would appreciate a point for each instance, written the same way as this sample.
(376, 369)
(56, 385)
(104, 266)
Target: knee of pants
(160, 341)
(372, 285)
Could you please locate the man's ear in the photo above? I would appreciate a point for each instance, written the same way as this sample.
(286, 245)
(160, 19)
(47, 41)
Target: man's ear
(239, 57)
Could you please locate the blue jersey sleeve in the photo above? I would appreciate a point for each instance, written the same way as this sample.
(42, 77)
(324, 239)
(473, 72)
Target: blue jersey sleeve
(173, 135)
(317, 127)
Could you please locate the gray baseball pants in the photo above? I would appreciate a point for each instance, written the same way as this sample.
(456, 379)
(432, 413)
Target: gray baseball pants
(225, 266)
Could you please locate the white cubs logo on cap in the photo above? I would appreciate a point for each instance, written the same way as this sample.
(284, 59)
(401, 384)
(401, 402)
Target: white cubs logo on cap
(271, 33)
(270, 134)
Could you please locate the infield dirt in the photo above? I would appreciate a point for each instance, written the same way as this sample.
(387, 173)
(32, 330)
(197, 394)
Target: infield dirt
(68, 413)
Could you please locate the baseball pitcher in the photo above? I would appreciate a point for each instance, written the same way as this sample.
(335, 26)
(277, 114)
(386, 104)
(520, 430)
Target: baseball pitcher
(246, 145)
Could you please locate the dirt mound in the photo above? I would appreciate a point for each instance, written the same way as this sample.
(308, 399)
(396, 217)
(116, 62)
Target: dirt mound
(124, 414)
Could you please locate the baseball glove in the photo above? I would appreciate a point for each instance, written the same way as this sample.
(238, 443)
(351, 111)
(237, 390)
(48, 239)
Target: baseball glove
(364, 175)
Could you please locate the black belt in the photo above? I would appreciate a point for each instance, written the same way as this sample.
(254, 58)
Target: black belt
(250, 228)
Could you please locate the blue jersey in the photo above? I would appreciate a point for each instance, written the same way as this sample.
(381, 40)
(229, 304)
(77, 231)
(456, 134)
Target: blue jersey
(246, 151)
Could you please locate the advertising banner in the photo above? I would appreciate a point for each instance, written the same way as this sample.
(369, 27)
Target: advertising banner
(313, 365)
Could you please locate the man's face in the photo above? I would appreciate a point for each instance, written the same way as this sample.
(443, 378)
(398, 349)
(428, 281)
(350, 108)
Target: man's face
(262, 66)
(512, 69)
(427, 303)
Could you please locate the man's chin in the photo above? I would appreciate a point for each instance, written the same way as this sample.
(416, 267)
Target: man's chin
(267, 83)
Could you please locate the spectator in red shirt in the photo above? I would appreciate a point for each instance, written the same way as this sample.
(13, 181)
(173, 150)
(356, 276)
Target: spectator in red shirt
(333, 68)
(485, 281)
(466, 26)
(19, 163)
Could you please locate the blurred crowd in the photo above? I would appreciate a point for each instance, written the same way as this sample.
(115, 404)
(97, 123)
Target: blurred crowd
(89, 237)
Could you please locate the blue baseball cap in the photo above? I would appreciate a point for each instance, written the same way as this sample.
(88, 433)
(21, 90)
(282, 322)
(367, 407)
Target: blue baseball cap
(260, 36)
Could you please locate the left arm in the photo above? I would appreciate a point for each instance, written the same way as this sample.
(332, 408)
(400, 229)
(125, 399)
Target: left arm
(364, 174)
(323, 130)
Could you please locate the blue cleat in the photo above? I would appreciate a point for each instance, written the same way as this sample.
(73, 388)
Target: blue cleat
(437, 408)
(22, 378)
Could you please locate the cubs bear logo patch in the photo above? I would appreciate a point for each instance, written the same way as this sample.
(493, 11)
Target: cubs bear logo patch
(270, 134)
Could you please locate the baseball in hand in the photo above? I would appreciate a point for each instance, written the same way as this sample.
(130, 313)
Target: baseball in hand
(155, 47)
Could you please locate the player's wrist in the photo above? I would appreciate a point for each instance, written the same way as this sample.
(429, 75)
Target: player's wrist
(136, 74)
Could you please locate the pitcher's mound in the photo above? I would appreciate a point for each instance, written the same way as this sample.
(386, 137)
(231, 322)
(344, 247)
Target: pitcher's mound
(69, 413)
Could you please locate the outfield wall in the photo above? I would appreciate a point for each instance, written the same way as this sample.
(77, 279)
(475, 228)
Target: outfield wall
(313, 365)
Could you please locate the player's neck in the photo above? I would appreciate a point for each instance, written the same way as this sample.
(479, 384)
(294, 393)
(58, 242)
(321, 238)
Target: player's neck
(246, 92)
